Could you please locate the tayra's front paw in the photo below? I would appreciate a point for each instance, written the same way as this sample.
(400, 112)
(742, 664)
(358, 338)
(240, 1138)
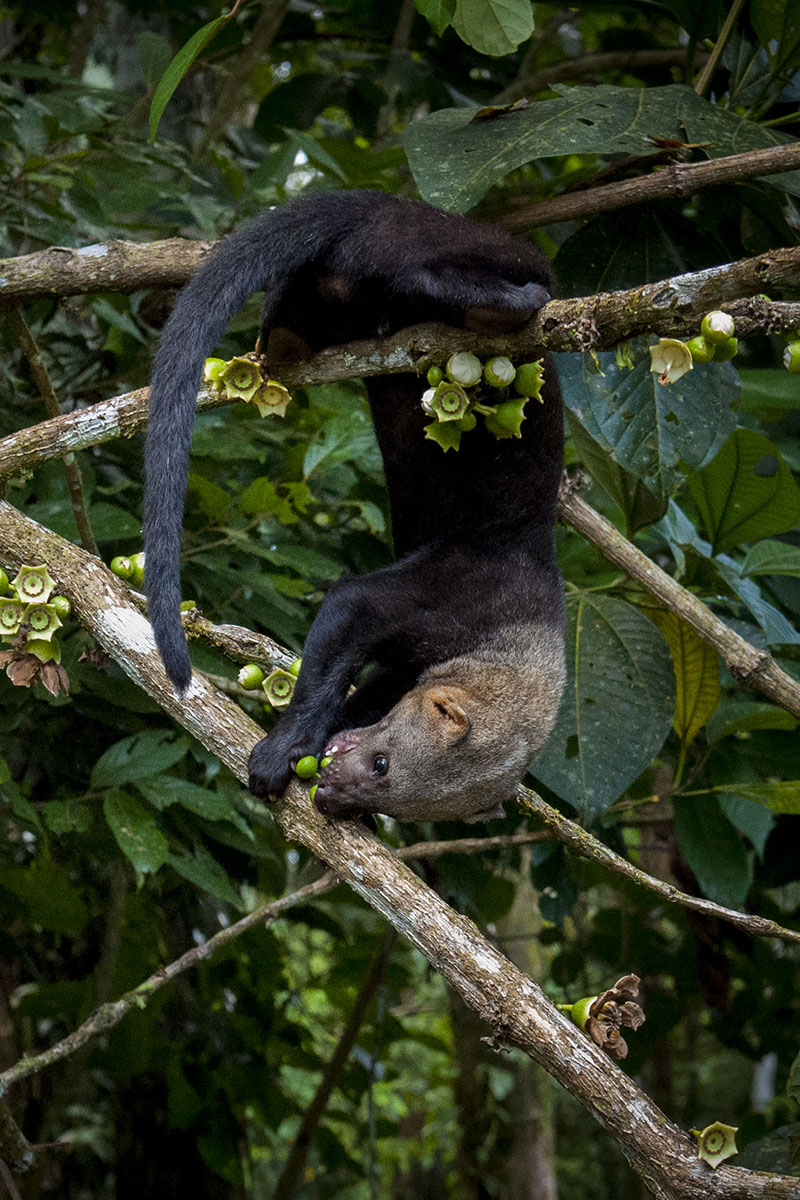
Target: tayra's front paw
(273, 760)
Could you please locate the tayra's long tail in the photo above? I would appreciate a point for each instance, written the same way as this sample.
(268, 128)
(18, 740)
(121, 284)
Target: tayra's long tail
(262, 255)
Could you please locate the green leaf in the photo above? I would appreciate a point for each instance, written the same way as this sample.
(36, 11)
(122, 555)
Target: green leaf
(746, 492)
(696, 666)
(205, 872)
(67, 816)
(110, 524)
(772, 558)
(207, 497)
(769, 391)
(793, 1082)
(438, 13)
(164, 790)
(751, 819)
(777, 23)
(747, 716)
(493, 27)
(777, 629)
(618, 705)
(283, 501)
(779, 795)
(138, 757)
(647, 428)
(713, 849)
(456, 160)
(178, 68)
(637, 502)
(136, 831)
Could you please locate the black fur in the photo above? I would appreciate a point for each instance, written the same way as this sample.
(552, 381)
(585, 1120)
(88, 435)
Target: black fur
(473, 530)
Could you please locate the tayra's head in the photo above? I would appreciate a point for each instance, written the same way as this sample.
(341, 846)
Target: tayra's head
(443, 753)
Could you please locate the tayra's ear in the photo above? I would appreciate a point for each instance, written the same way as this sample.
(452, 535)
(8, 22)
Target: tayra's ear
(443, 708)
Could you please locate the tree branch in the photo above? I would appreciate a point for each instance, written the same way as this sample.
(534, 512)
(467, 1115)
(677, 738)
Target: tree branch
(751, 667)
(673, 181)
(518, 1011)
(671, 307)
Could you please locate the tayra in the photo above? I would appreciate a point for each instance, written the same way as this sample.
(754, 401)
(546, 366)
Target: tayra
(455, 651)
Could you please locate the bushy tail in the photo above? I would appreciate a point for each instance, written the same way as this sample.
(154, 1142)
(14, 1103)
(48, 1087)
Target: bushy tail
(263, 255)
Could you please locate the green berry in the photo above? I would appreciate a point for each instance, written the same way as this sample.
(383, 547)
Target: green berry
(791, 358)
(250, 676)
(62, 606)
(499, 372)
(717, 327)
(724, 351)
(312, 791)
(137, 569)
(294, 669)
(435, 376)
(307, 767)
(3, 581)
(121, 566)
(700, 350)
(323, 762)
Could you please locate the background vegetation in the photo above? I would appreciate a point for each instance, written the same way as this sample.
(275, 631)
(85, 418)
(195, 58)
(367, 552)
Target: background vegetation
(202, 1092)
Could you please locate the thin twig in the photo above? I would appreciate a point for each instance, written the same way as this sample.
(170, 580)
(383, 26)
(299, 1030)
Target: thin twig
(587, 846)
(72, 470)
(749, 666)
(675, 181)
(719, 46)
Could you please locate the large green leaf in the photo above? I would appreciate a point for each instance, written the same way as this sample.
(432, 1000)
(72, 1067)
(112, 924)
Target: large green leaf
(696, 666)
(493, 27)
(746, 492)
(164, 790)
(137, 757)
(205, 872)
(647, 427)
(777, 23)
(639, 506)
(713, 849)
(617, 708)
(456, 160)
(137, 833)
(779, 795)
(772, 558)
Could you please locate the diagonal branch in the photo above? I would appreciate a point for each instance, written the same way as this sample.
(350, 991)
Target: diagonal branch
(518, 1011)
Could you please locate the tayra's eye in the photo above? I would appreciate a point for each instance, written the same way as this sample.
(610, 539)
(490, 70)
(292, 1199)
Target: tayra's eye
(380, 764)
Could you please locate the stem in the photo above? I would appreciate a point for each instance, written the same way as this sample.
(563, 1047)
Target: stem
(719, 46)
(72, 470)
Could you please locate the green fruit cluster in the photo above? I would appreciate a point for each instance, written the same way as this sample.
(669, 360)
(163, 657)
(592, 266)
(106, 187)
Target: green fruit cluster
(30, 615)
(467, 388)
(241, 378)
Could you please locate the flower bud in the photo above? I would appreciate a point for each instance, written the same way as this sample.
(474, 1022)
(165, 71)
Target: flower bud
(499, 372)
(529, 379)
(791, 358)
(250, 676)
(725, 351)
(717, 327)
(700, 350)
(464, 368)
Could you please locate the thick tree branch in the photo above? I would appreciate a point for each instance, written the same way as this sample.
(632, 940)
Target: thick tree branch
(673, 181)
(518, 1011)
(113, 266)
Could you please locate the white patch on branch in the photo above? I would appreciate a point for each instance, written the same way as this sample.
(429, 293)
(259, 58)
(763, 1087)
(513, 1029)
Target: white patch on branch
(126, 628)
(99, 250)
